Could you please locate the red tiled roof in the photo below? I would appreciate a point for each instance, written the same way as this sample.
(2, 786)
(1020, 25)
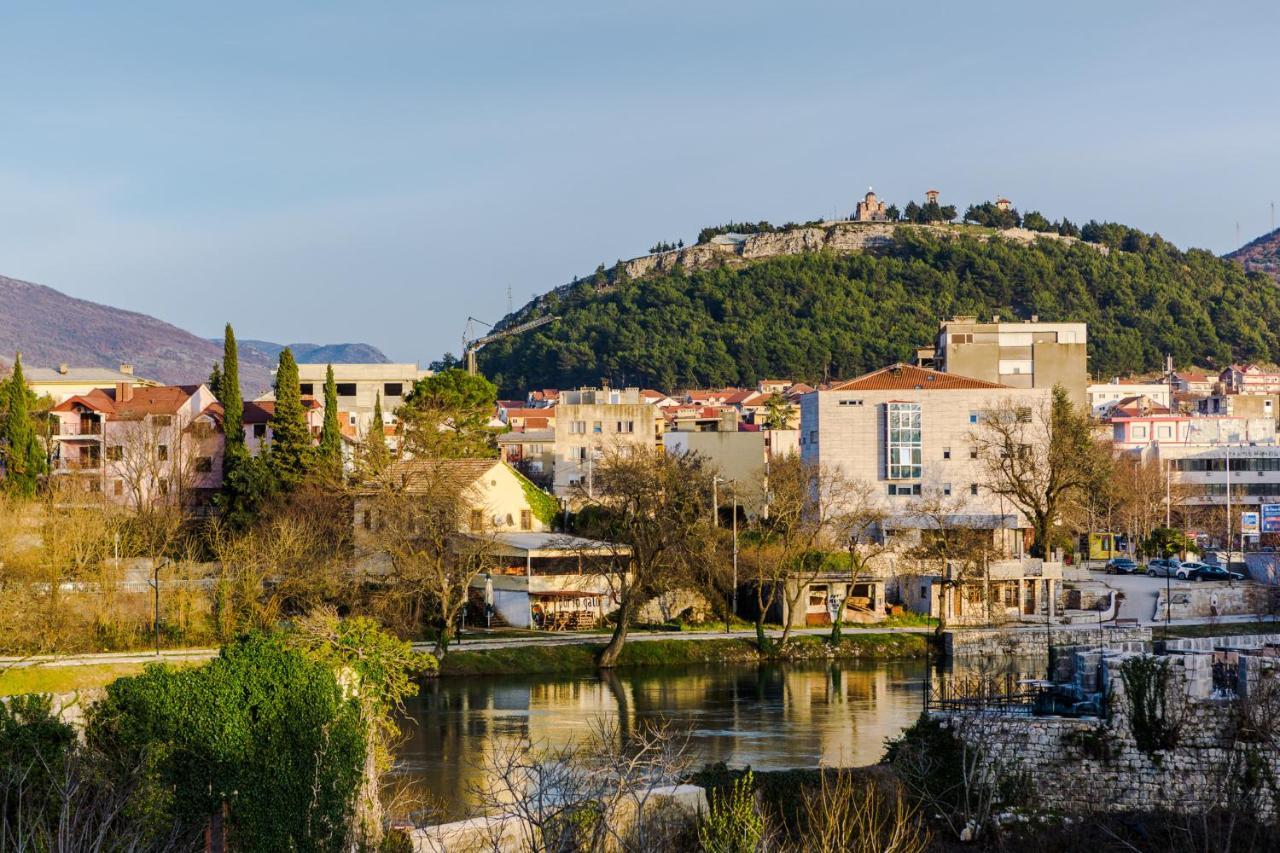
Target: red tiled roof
(260, 411)
(900, 377)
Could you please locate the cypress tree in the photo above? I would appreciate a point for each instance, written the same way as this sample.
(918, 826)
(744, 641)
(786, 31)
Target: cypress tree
(292, 453)
(215, 380)
(376, 453)
(330, 450)
(24, 459)
(229, 388)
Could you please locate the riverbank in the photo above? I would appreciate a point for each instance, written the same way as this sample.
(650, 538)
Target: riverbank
(581, 657)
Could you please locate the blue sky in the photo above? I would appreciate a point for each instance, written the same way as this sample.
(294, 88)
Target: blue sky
(380, 171)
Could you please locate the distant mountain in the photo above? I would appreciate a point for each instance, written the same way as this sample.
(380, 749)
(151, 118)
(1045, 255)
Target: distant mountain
(1260, 255)
(320, 353)
(50, 328)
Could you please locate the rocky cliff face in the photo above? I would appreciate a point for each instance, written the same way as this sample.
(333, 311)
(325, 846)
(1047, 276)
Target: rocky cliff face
(1260, 255)
(841, 237)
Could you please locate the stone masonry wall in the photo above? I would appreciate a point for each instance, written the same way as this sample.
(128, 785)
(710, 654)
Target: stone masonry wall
(1029, 641)
(1091, 764)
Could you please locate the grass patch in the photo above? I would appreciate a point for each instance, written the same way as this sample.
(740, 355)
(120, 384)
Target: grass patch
(1222, 629)
(581, 657)
(63, 679)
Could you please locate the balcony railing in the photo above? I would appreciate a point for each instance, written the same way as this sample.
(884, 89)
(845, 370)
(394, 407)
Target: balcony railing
(86, 428)
(87, 464)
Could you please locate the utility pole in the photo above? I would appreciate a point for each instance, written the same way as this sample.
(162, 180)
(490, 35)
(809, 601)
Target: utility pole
(1228, 449)
(733, 607)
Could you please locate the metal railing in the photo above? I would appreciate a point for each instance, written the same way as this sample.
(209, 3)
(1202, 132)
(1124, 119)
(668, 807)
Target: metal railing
(1007, 694)
(66, 428)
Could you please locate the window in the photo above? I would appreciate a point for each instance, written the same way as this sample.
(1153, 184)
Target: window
(307, 388)
(924, 592)
(903, 446)
(164, 485)
(204, 464)
(851, 402)
(526, 519)
(117, 487)
(961, 338)
(115, 453)
(577, 427)
(581, 453)
(367, 519)
(477, 520)
(946, 489)
(904, 489)
(973, 453)
(946, 453)
(259, 430)
(201, 429)
(973, 417)
(813, 436)
(393, 389)
(626, 426)
(162, 451)
(351, 419)
(346, 389)
(162, 420)
(1024, 414)
(973, 488)
(597, 427)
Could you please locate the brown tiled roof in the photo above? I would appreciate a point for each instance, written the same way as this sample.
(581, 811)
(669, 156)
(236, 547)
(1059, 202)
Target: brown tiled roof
(146, 400)
(420, 472)
(902, 377)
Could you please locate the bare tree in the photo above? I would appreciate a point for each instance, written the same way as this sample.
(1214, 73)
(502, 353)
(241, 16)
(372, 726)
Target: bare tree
(952, 548)
(1038, 458)
(860, 523)
(418, 513)
(811, 510)
(656, 505)
(155, 459)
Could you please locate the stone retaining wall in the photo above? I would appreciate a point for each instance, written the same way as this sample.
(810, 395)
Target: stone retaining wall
(1090, 764)
(988, 642)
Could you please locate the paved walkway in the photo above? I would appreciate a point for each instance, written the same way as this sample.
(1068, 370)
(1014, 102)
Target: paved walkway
(505, 639)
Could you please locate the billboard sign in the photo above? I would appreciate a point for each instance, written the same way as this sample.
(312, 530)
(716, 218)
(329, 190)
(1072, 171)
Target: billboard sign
(1271, 518)
(1249, 522)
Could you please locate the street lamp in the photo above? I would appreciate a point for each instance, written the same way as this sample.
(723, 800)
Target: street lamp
(155, 585)
(716, 480)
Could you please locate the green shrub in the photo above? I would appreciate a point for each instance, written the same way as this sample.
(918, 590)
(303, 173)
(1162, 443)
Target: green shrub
(732, 824)
(261, 728)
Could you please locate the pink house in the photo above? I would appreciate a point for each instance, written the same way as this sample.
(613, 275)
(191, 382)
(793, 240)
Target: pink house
(1250, 378)
(141, 445)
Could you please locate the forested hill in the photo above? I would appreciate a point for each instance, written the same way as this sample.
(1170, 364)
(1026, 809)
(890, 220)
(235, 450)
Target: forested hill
(823, 314)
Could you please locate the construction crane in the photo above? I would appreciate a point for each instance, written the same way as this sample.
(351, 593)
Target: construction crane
(471, 347)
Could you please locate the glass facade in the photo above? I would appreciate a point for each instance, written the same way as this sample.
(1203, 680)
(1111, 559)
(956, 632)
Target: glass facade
(902, 441)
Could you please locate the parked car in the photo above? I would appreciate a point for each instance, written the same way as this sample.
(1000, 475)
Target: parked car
(1215, 573)
(1189, 568)
(1160, 568)
(1121, 566)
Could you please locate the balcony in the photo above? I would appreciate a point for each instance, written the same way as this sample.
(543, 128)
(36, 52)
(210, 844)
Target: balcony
(83, 429)
(75, 465)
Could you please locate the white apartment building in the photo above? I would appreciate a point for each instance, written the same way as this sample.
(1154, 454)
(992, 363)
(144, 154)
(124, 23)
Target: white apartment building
(1101, 397)
(358, 386)
(590, 422)
(908, 430)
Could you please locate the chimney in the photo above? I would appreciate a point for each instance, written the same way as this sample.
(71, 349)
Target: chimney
(124, 392)
(995, 318)
(126, 368)
(1035, 318)
(63, 368)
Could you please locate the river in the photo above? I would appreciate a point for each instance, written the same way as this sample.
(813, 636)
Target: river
(770, 717)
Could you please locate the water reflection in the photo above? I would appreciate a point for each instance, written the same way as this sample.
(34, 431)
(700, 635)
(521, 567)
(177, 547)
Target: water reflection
(770, 717)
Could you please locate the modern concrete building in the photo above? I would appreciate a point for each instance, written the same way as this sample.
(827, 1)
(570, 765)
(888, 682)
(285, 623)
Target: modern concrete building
(358, 387)
(1240, 405)
(1014, 354)
(1250, 379)
(908, 431)
(591, 422)
(64, 381)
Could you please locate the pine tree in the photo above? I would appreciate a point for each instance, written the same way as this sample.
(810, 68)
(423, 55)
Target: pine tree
(292, 454)
(376, 455)
(215, 380)
(229, 388)
(329, 454)
(24, 459)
